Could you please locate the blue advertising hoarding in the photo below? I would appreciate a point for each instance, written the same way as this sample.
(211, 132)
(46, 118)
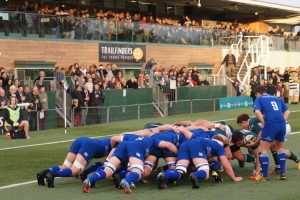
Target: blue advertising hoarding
(235, 102)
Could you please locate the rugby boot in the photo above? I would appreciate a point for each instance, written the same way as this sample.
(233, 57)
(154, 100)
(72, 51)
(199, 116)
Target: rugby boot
(126, 186)
(161, 183)
(281, 176)
(86, 186)
(50, 179)
(40, 176)
(194, 181)
(216, 176)
(116, 180)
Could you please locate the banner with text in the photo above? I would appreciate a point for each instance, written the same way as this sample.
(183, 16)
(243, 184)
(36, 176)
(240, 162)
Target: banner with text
(122, 53)
(235, 102)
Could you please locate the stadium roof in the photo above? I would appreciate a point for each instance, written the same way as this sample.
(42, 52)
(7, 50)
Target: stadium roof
(246, 9)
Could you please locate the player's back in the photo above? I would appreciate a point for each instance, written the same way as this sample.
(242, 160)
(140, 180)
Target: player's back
(103, 147)
(199, 133)
(272, 108)
(211, 147)
(169, 136)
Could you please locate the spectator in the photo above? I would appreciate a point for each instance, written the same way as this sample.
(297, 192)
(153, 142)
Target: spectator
(14, 93)
(43, 114)
(76, 108)
(36, 106)
(111, 83)
(3, 98)
(271, 90)
(86, 103)
(97, 100)
(15, 118)
(280, 91)
(102, 72)
(77, 94)
(230, 63)
(42, 80)
(132, 83)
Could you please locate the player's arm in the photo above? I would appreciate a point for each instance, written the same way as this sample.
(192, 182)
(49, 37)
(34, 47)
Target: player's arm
(187, 134)
(116, 140)
(168, 145)
(228, 169)
(162, 128)
(286, 114)
(256, 142)
(183, 123)
(260, 116)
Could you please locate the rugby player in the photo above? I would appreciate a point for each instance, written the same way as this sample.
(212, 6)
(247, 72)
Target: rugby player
(252, 124)
(197, 151)
(81, 152)
(132, 152)
(272, 112)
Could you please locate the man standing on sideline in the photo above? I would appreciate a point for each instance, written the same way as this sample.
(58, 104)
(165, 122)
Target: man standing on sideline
(43, 114)
(272, 113)
(230, 63)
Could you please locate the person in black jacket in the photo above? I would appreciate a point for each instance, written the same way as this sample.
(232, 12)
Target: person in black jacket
(132, 83)
(35, 107)
(271, 90)
(230, 63)
(97, 100)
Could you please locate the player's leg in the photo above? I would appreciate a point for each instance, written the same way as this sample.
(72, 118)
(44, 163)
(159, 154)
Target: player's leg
(291, 156)
(274, 154)
(202, 172)
(149, 165)
(281, 154)
(101, 173)
(136, 172)
(79, 164)
(264, 158)
(69, 160)
(90, 169)
(215, 167)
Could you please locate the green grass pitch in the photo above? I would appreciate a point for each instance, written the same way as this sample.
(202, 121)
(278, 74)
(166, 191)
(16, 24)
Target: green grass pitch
(20, 164)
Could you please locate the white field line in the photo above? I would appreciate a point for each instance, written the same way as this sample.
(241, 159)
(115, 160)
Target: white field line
(50, 143)
(34, 181)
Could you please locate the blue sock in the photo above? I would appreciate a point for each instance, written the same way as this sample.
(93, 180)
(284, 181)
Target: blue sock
(64, 173)
(282, 160)
(200, 174)
(132, 177)
(123, 173)
(264, 162)
(214, 165)
(99, 174)
(93, 167)
(172, 175)
(54, 169)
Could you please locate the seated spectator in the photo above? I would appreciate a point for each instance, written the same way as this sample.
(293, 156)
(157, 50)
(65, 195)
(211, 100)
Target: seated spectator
(3, 98)
(132, 83)
(14, 116)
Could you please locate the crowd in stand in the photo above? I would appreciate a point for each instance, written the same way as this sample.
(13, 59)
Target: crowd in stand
(33, 99)
(274, 83)
(97, 24)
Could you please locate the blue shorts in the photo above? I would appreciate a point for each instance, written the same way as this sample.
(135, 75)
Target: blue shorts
(85, 147)
(162, 153)
(274, 131)
(190, 149)
(129, 149)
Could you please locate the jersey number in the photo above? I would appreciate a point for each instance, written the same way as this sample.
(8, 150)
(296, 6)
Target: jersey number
(274, 105)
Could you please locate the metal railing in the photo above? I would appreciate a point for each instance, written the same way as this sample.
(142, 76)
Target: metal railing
(33, 25)
(159, 99)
